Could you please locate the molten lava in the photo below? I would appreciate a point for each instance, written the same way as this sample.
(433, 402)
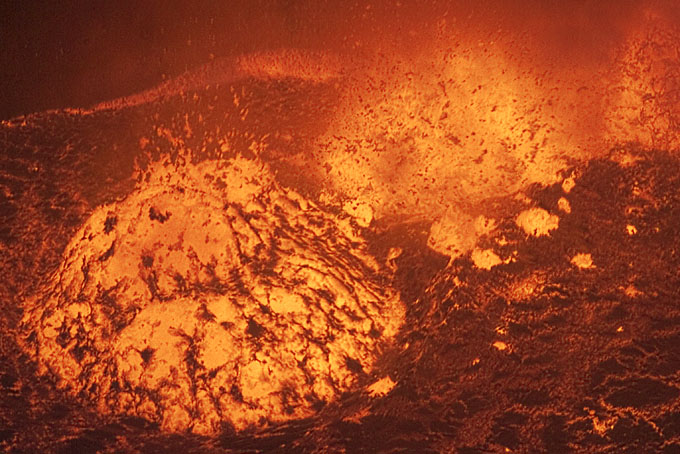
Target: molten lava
(459, 236)
(212, 296)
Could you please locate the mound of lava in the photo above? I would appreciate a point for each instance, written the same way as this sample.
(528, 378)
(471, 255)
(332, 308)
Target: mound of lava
(210, 296)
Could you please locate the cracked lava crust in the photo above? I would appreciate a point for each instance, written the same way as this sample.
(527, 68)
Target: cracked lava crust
(211, 296)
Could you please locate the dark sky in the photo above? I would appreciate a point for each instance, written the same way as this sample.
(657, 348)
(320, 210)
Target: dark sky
(75, 53)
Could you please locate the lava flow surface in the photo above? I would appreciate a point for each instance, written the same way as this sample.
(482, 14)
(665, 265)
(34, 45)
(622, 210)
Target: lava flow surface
(448, 230)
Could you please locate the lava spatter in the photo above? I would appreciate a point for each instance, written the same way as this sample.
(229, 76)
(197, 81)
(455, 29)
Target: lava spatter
(210, 296)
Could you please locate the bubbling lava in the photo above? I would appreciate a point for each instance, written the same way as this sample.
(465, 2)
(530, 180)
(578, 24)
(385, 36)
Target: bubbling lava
(440, 133)
(212, 296)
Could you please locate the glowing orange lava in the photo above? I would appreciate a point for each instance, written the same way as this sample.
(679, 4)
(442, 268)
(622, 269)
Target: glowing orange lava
(212, 296)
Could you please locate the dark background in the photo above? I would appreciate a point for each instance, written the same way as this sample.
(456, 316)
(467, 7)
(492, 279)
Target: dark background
(76, 53)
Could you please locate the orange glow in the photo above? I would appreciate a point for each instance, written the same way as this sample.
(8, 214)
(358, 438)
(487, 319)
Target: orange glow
(645, 97)
(214, 294)
(467, 117)
(210, 295)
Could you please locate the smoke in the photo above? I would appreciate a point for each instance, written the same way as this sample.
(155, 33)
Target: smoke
(448, 107)
(445, 107)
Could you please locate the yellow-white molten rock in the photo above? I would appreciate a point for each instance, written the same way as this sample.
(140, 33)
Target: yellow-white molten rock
(211, 296)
